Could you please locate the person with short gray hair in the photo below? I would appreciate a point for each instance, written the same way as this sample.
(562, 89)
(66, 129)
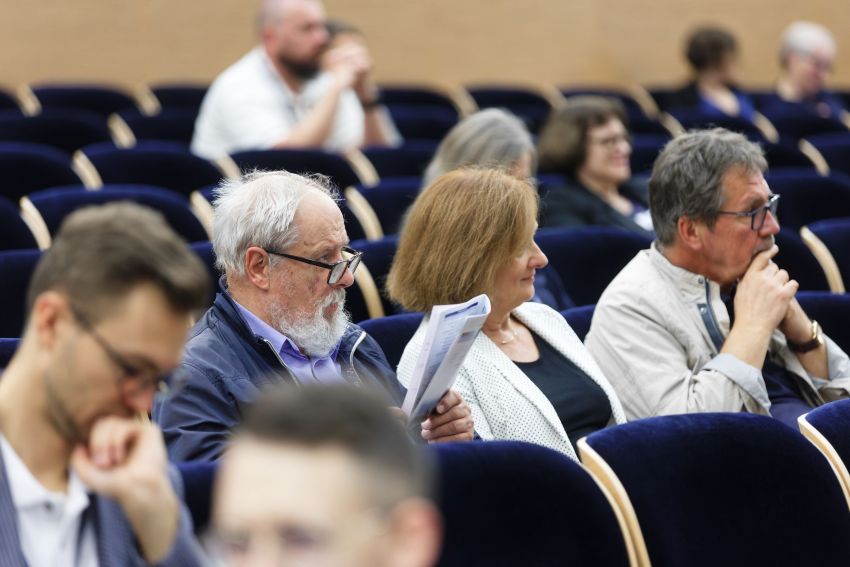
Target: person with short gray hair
(279, 317)
(704, 320)
(806, 58)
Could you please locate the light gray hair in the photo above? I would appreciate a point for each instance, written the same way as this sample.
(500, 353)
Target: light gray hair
(687, 179)
(492, 138)
(804, 37)
(272, 12)
(258, 209)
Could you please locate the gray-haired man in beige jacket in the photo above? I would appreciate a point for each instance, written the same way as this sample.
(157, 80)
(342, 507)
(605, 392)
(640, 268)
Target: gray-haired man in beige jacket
(705, 320)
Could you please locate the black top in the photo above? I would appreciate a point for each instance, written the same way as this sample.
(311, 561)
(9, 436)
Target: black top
(581, 404)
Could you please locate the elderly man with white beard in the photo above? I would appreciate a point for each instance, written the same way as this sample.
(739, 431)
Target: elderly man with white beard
(279, 317)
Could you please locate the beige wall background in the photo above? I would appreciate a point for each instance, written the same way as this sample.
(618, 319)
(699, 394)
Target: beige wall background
(565, 42)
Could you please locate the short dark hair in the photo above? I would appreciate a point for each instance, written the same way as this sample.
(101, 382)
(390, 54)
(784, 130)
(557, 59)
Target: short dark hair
(707, 46)
(102, 252)
(356, 420)
(562, 146)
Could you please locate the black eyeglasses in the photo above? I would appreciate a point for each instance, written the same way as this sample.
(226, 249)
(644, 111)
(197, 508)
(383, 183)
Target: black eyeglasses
(144, 379)
(759, 215)
(337, 269)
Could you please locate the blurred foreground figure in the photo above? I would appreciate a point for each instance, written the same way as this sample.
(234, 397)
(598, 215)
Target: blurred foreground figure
(323, 475)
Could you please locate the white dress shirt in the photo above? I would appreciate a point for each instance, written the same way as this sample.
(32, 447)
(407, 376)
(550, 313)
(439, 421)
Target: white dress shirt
(49, 522)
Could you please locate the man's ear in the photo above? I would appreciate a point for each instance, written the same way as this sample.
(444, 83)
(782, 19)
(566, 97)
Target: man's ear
(690, 233)
(257, 267)
(49, 312)
(416, 534)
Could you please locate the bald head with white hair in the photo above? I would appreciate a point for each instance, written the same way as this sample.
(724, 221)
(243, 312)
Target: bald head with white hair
(806, 56)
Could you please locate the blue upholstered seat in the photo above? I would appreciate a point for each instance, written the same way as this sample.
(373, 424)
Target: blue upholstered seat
(808, 197)
(7, 349)
(530, 106)
(66, 130)
(413, 97)
(198, 480)
(16, 268)
(329, 164)
(696, 119)
(793, 123)
(55, 204)
(784, 154)
(726, 489)
(828, 427)
(169, 125)
(393, 333)
(390, 199)
(832, 311)
(25, 168)
(507, 503)
(835, 234)
(100, 99)
(645, 149)
(161, 164)
(205, 252)
(835, 148)
(409, 160)
(377, 257)
(795, 257)
(588, 258)
(179, 95)
(579, 319)
(423, 124)
(14, 232)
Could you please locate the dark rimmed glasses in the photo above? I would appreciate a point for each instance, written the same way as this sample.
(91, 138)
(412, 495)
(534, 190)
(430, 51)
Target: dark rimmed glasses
(337, 269)
(759, 215)
(145, 379)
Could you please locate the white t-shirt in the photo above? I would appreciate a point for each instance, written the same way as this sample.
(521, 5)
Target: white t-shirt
(249, 107)
(49, 522)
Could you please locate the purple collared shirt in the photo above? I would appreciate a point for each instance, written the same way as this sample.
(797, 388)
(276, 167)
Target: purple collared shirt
(307, 370)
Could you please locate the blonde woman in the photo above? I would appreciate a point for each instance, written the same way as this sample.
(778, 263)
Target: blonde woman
(528, 376)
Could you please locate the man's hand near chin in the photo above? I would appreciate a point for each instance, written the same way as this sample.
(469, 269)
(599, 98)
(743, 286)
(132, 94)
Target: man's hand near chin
(125, 460)
(451, 420)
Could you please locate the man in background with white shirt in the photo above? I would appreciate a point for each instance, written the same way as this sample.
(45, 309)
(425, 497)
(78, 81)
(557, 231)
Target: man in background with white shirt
(83, 481)
(276, 96)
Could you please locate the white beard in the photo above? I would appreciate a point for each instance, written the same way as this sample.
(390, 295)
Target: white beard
(308, 328)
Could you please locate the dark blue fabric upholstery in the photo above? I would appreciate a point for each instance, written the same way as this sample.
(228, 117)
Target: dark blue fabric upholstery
(808, 197)
(835, 234)
(418, 124)
(549, 289)
(509, 503)
(25, 168)
(170, 125)
(795, 257)
(100, 99)
(795, 124)
(528, 105)
(832, 311)
(7, 101)
(579, 319)
(205, 252)
(588, 258)
(55, 204)
(62, 129)
(633, 109)
(694, 119)
(393, 333)
(835, 148)
(785, 153)
(728, 489)
(179, 96)
(332, 165)
(409, 160)
(161, 164)
(198, 481)
(14, 232)
(378, 257)
(7, 349)
(390, 199)
(645, 148)
(16, 268)
(833, 421)
(410, 97)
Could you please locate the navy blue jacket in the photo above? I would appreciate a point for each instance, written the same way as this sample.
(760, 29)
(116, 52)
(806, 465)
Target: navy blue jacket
(224, 368)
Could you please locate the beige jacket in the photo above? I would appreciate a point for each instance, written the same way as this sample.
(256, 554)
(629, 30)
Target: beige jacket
(505, 402)
(657, 332)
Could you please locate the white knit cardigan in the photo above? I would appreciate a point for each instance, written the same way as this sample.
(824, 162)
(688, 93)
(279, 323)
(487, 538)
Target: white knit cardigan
(505, 403)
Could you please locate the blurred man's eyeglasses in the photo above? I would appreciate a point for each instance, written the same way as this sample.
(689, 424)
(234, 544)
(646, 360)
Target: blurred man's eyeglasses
(337, 269)
(759, 215)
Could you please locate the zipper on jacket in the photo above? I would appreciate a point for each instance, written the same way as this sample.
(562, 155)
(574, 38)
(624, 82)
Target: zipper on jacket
(279, 359)
(708, 318)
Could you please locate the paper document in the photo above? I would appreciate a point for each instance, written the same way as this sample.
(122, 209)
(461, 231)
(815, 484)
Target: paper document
(450, 333)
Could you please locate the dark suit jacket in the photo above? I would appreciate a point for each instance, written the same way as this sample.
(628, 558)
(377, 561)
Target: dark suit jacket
(116, 543)
(573, 205)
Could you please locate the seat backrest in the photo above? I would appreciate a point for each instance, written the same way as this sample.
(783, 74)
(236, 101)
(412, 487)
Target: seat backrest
(169, 165)
(179, 96)
(835, 148)
(507, 503)
(835, 235)
(205, 252)
(795, 257)
(169, 125)
(791, 122)
(417, 124)
(378, 257)
(413, 97)
(827, 427)
(56, 204)
(729, 489)
(645, 149)
(579, 319)
(198, 481)
(832, 311)
(14, 232)
(100, 99)
(25, 168)
(7, 349)
(530, 106)
(785, 153)
(411, 159)
(588, 258)
(391, 198)
(65, 130)
(16, 268)
(393, 333)
(694, 118)
(334, 166)
(808, 197)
